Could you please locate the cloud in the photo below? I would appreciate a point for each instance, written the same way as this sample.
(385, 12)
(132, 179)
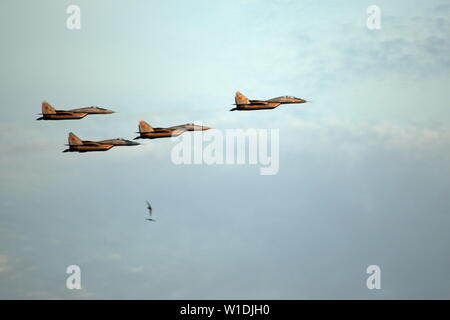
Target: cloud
(391, 133)
(405, 46)
(114, 256)
(136, 269)
(355, 139)
(4, 263)
(60, 295)
(441, 8)
(83, 294)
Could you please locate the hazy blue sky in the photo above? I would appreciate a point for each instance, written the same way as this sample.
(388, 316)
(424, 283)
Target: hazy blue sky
(364, 169)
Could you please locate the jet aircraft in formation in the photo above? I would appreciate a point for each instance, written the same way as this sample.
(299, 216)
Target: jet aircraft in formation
(50, 113)
(146, 131)
(243, 103)
(78, 145)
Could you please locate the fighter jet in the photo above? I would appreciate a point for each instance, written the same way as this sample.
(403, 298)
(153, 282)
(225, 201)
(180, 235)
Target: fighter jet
(149, 207)
(78, 145)
(243, 103)
(50, 113)
(148, 132)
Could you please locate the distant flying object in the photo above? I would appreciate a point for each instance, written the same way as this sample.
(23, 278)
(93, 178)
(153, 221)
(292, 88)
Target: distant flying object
(78, 145)
(148, 132)
(149, 207)
(50, 113)
(243, 103)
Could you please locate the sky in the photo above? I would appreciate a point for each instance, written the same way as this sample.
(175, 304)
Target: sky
(364, 168)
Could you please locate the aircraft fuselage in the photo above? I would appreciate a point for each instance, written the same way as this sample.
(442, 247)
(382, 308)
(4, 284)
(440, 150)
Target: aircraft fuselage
(91, 110)
(255, 106)
(87, 148)
(64, 116)
(160, 133)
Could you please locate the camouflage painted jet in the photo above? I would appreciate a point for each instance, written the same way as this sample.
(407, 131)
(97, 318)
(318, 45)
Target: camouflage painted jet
(50, 113)
(243, 103)
(146, 131)
(78, 145)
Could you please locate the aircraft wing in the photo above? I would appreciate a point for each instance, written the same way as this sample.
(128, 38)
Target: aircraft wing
(66, 113)
(92, 143)
(258, 102)
(173, 129)
(165, 130)
(178, 130)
